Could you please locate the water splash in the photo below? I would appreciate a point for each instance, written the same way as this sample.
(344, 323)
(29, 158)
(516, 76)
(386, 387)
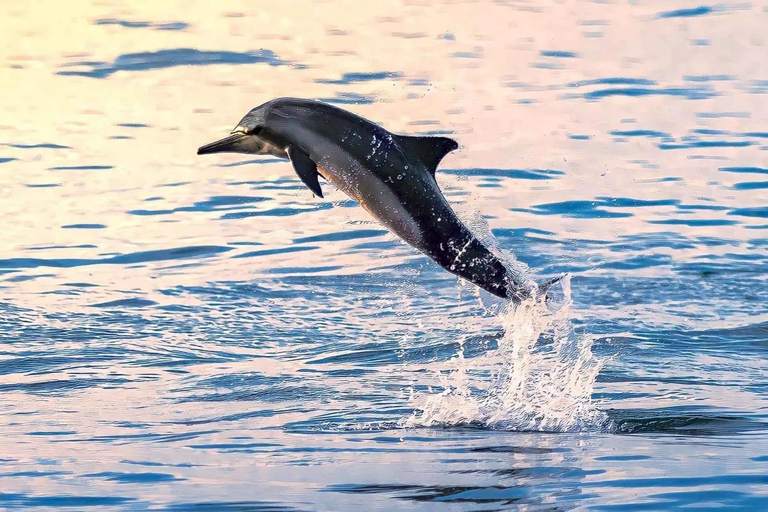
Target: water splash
(540, 378)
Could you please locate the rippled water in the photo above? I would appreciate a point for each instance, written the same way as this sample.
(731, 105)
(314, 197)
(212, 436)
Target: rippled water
(189, 333)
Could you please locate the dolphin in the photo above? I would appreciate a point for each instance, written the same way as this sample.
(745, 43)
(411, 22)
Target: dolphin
(391, 176)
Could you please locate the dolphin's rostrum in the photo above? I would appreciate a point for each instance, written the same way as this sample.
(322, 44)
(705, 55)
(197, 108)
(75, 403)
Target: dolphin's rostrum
(391, 176)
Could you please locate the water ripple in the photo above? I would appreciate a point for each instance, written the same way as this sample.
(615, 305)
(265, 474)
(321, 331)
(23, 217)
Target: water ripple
(161, 59)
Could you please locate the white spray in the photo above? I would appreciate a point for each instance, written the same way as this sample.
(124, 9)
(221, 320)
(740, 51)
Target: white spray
(540, 378)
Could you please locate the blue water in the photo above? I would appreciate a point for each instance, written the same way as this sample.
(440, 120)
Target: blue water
(201, 333)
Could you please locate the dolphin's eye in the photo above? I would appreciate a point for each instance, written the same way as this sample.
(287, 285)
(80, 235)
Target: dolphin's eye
(257, 130)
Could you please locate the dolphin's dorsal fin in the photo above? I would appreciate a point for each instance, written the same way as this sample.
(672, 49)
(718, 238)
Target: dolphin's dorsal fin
(305, 168)
(429, 150)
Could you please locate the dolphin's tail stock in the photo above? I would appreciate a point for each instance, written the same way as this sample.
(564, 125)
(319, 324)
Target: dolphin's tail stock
(472, 261)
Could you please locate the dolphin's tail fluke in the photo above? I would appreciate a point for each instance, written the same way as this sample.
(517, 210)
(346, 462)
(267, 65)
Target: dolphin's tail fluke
(516, 291)
(544, 287)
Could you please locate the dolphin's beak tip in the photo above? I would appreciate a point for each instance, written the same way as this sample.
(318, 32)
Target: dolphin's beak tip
(231, 144)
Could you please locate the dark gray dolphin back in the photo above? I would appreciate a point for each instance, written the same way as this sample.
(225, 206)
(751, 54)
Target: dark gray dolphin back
(332, 122)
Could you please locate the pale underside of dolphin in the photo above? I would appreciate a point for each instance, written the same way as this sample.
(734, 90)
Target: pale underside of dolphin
(391, 176)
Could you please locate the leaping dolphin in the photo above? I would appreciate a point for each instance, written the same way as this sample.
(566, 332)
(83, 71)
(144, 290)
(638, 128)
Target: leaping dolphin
(391, 176)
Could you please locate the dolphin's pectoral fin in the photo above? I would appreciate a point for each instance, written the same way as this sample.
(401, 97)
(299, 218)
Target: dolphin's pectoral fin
(429, 150)
(305, 168)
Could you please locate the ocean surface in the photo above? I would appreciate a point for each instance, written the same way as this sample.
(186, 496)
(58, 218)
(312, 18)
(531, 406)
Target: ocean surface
(201, 333)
